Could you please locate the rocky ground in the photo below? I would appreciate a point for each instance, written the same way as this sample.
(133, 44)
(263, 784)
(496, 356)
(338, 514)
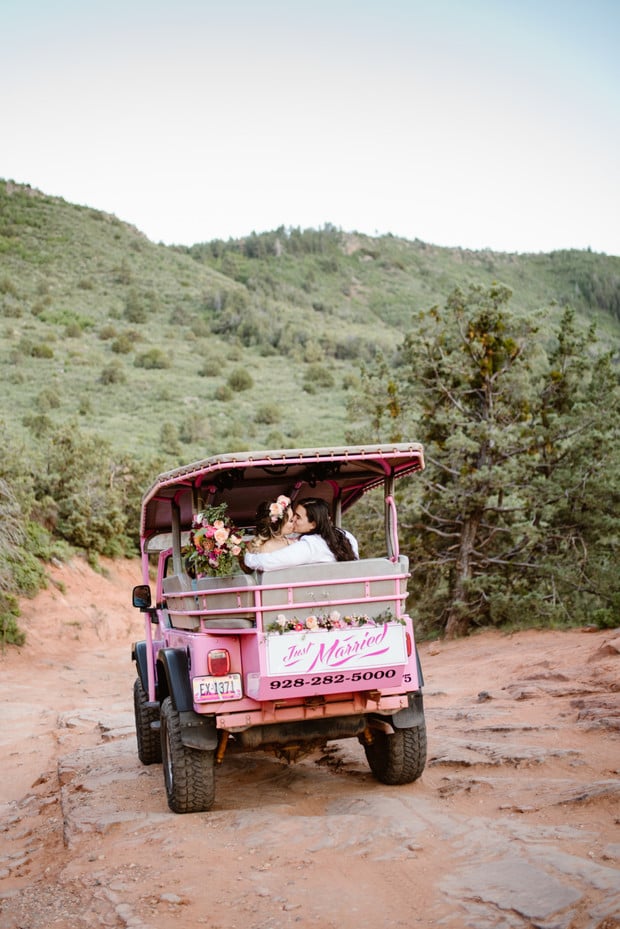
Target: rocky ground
(514, 823)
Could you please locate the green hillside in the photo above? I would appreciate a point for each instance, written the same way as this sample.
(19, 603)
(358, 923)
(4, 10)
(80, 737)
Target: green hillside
(238, 344)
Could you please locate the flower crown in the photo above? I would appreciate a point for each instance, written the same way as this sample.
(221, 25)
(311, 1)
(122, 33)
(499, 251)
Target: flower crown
(279, 508)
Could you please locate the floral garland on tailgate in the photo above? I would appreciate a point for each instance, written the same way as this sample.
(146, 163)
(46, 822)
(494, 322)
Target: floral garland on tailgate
(214, 546)
(329, 621)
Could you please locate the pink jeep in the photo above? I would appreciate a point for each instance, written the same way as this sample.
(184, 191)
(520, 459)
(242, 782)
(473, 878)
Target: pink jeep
(283, 660)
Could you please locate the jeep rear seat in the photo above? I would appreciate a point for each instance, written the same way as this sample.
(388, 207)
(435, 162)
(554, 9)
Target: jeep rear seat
(344, 586)
(225, 601)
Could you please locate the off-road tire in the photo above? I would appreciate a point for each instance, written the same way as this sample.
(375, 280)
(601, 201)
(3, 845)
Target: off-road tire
(149, 742)
(189, 773)
(398, 757)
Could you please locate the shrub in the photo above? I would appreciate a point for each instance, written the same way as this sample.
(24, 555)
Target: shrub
(113, 373)
(7, 286)
(223, 393)
(194, 428)
(82, 492)
(48, 399)
(240, 379)
(10, 633)
(28, 573)
(73, 330)
(199, 328)
(317, 376)
(135, 310)
(42, 350)
(169, 438)
(268, 414)
(39, 424)
(154, 358)
(123, 344)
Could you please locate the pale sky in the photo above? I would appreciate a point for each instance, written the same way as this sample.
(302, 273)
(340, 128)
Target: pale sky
(477, 124)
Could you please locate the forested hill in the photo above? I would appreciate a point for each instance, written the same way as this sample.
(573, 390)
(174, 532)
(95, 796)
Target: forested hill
(121, 358)
(247, 343)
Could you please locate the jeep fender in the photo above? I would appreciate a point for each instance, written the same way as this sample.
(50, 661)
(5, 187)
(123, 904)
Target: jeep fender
(139, 655)
(197, 731)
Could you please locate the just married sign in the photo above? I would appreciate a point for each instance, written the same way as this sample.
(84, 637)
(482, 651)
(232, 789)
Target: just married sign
(336, 650)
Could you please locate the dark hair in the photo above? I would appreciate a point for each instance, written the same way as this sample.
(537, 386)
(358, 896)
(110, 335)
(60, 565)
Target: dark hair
(266, 526)
(317, 512)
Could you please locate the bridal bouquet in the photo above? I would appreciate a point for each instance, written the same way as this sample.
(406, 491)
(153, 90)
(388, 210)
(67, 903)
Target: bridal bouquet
(214, 544)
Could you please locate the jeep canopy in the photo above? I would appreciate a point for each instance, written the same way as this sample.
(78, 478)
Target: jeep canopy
(340, 475)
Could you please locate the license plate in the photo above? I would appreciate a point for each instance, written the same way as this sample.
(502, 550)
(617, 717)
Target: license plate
(216, 689)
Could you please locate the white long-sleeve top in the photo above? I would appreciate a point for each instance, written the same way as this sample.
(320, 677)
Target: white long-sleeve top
(309, 549)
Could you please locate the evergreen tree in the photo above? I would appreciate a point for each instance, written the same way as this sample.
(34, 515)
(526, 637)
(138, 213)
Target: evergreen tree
(510, 521)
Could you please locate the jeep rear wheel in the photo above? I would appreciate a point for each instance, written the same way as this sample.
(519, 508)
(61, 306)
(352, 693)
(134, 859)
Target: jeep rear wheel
(189, 773)
(149, 743)
(398, 757)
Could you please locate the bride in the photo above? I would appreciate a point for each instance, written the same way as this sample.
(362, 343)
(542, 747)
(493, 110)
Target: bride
(274, 523)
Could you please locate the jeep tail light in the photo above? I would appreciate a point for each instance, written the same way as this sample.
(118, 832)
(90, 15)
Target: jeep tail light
(218, 662)
(409, 644)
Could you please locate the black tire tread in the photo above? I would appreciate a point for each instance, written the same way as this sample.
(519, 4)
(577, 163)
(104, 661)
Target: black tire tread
(189, 773)
(398, 757)
(149, 742)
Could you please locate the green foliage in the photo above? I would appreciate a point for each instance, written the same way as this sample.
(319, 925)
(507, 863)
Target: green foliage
(240, 379)
(517, 516)
(318, 376)
(83, 294)
(154, 358)
(41, 350)
(48, 399)
(10, 632)
(268, 413)
(223, 393)
(113, 373)
(123, 344)
(85, 493)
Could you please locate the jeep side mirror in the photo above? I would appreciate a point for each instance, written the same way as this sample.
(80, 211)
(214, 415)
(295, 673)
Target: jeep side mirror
(141, 597)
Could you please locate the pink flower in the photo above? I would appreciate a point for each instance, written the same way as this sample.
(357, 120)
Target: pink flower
(312, 623)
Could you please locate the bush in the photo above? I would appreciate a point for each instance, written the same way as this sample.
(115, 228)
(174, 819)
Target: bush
(39, 424)
(240, 379)
(135, 310)
(154, 358)
(28, 573)
(169, 438)
(268, 414)
(7, 286)
(42, 350)
(10, 633)
(48, 399)
(317, 376)
(223, 393)
(113, 374)
(123, 344)
(194, 428)
(73, 330)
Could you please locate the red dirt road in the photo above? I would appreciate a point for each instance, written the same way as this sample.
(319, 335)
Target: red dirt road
(514, 823)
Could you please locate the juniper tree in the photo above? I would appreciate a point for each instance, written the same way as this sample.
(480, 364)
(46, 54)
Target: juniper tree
(519, 431)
